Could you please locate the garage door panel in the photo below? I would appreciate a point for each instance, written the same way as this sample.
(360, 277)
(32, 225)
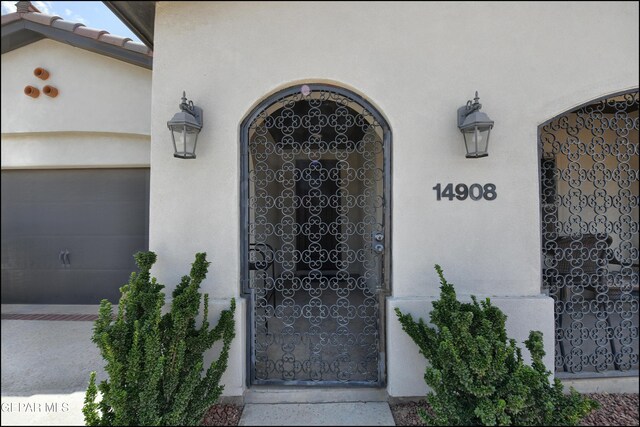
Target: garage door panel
(30, 286)
(93, 288)
(37, 252)
(59, 219)
(77, 185)
(100, 252)
(104, 252)
(100, 217)
(62, 287)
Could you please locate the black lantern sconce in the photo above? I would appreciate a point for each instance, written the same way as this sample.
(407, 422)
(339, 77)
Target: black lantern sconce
(185, 127)
(475, 127)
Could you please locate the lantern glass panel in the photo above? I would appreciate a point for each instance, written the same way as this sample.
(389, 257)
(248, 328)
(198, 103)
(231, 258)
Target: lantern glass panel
(483, 141)
(176, 132)
(469, 141)
(185, 139)
(476, 141)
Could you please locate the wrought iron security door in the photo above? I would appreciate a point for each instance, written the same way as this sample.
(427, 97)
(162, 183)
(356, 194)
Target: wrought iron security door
(315, 193)
(589, 208)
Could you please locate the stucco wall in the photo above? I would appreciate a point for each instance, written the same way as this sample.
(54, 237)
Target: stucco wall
(101, 116)
(74, 149)
(418, 62)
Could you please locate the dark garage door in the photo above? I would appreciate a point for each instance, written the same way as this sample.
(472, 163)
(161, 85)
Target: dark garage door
(68, 236)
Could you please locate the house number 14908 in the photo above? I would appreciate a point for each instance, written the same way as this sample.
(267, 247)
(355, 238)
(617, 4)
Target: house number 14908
(462, 191)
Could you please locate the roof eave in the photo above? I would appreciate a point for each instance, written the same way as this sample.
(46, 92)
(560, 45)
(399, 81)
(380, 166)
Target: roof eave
(20, 33)
(138, 16)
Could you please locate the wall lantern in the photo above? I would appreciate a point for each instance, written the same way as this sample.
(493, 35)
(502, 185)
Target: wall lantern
(475, 127)
(185, 127)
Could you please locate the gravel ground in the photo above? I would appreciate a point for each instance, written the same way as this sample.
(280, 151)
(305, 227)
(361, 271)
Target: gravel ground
(223, 415)
(615, 410)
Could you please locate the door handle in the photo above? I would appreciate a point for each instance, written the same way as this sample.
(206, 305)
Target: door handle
(378, 247)
(61, 256)
(66, 255)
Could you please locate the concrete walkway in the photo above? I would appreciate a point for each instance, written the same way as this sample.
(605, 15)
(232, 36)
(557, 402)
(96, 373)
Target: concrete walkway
(46, 365)
(317, 414)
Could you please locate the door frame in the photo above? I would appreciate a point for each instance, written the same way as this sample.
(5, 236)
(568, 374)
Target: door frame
(244, 217)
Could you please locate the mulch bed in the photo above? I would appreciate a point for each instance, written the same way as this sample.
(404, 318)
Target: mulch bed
(223, 415)
(615, 410)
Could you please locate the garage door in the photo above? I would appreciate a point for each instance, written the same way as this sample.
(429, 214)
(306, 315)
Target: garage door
(68, 236)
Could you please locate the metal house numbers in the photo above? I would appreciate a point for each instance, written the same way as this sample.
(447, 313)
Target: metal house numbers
(463, 191)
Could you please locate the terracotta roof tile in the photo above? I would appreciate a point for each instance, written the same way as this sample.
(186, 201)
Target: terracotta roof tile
(112, 39)
(66, 25)
(93, 33)
(79, 29)
(40, 18)
(6, 19)
(137, 47)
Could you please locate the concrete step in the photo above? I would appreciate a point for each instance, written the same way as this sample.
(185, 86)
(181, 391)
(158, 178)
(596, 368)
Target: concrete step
(317, 414)
(266, 394)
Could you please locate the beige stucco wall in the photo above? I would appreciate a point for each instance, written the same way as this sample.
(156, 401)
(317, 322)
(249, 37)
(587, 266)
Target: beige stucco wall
(100, 118)
(74, 149)
(418, 62)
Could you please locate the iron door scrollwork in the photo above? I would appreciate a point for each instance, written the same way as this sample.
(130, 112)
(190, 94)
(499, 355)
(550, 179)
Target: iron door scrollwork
(315, 188)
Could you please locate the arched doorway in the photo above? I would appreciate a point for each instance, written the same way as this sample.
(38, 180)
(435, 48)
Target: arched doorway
(315, 196)
(589, 209)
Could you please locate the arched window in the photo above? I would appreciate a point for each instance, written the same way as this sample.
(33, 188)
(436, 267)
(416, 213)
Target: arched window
(589, 203)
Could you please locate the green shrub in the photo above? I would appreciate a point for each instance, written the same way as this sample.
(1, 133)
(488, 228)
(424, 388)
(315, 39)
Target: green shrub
(477, 374)
(155, 361)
